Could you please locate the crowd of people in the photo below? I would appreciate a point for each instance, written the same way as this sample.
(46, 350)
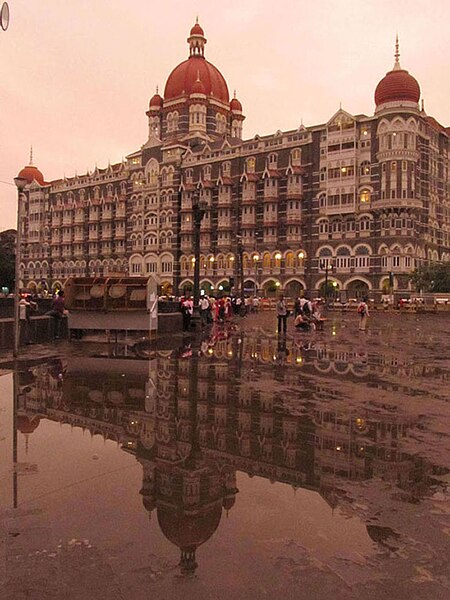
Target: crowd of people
(216, 310)
(307, 314)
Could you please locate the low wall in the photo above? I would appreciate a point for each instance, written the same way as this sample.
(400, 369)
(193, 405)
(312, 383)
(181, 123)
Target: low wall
(41, 329)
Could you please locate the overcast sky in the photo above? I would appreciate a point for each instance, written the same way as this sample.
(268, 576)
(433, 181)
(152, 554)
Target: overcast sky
(77, 75)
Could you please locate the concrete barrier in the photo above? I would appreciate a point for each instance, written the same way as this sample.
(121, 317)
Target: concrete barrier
(41, 329)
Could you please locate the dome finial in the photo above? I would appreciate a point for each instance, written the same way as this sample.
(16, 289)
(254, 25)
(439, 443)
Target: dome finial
(157, 89)
(397, 66)
(31, 155)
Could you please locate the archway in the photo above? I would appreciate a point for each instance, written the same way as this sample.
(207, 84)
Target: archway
(329, 289)
(166, 288)
(250, 287)
(206, 286)
(294, 288)
(271, 287)
(358, 289)
(224, 286)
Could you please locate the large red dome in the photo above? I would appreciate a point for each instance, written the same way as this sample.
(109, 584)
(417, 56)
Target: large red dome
(189, 530)
(32, 173)
(397, 85)
(183, 77)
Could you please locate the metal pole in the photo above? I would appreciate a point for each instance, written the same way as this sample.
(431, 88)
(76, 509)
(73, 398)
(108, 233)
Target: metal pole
(20, 185)
(197, 258)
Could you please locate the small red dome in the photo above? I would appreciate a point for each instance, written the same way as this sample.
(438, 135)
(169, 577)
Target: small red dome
(156, 101)
(31, 173)
(397, 85)
(197, 30)
(185, 75)
(27, 425)
(235, 105)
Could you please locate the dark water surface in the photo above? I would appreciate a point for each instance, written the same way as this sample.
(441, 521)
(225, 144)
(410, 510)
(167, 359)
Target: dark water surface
(235, 465)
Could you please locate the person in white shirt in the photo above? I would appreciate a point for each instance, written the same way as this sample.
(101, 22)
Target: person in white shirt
(363, 312)
(204, 307)
(187, 310)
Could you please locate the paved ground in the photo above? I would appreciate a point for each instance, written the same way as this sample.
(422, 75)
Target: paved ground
(342, 487)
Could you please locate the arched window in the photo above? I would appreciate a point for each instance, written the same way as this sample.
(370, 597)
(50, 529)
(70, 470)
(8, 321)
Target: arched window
(343, 258)
(362, 257)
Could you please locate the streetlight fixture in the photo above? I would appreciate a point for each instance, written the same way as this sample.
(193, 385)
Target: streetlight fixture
(20, 182)
(240, 254)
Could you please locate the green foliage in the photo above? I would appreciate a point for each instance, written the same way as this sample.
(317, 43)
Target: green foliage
(434, 277)
(7, 270)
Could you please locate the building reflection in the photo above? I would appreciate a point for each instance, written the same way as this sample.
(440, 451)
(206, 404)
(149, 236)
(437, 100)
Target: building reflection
(194, 418)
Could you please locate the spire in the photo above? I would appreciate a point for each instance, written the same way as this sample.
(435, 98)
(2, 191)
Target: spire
(197, 41)
(234, 94)
(157, 89)
(31, 155)
(397, 66)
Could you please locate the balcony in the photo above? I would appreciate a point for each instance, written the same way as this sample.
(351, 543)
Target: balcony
(107, 215)
(67, 221)
(106, 234)
(224, 198)
(93, 216)
(294, 192)
(93, 236)
(79, 218)
(119, 233)
(186, 227)
(293, 217)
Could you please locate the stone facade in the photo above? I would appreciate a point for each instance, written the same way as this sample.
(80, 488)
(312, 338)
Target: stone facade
(359, 200)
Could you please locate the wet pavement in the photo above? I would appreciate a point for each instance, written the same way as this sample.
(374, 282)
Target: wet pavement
(232, 464)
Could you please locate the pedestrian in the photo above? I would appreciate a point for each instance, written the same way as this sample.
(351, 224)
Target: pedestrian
(255, 304)
(187, 310)
(203, 304)
(363, 312)
(297, 307)
(57, 312)
(26, 306)
(282, 314)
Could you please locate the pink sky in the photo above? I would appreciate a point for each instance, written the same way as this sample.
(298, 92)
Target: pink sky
(77, 75)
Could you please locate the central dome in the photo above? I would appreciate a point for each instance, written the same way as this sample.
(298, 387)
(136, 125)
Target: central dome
(183, 77)
(182, 80)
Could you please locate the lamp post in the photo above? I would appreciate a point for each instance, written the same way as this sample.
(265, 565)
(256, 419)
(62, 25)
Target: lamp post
(326, 265)
(198, 210)
(240, 253)
(255, 261)
(20, 182)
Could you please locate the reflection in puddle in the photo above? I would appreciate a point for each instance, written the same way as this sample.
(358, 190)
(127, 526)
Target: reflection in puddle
(196, 417)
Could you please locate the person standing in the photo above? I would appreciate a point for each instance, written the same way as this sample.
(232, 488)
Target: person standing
(26, 306)
(282, 314)
(187, 310)
(363, 312)
(203, 304)
(57, 313)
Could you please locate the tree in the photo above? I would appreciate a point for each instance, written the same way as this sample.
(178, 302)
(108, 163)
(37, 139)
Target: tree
(433, 277)
(7, 258)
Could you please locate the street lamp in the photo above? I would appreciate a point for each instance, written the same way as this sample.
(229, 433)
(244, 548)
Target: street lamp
(198, 210)
(326, 265)
(255, 261)
(240, 253)
(20, 182)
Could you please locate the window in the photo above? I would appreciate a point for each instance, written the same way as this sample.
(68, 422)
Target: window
(151, 267)
(364, 196)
